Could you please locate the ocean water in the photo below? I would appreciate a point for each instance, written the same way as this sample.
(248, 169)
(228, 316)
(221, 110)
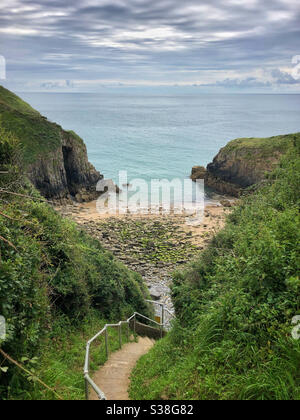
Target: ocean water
(162, 135)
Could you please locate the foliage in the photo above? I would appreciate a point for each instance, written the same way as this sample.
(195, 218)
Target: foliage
(10, 99)
(36, 134)
(59, 361)
(10, 160)
(267, 146)
(51, 272)
(235, 306)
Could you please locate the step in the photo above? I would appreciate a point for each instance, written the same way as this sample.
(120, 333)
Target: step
(113, 378)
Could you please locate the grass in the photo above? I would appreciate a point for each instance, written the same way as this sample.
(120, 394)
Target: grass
(51, 283)
(38, 136)
(183, 367)
(61, 359)
(14, 102)
(264, 146)
(53, 277)
(234, 306)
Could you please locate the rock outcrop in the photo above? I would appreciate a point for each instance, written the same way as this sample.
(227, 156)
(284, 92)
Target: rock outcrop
(66, 172)
(55, 160)
(198, 172)
(243, 163)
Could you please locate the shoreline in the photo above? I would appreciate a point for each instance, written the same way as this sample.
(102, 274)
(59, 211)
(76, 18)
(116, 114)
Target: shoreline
(153, 245)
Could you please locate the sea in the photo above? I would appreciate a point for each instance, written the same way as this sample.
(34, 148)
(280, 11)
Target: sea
(153, 134)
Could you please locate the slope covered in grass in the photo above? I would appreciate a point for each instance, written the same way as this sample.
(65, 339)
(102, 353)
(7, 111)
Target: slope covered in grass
(55, 160)
(51, 274)
(266, 146)
(36, 133)
(11, 100)
(232, 338)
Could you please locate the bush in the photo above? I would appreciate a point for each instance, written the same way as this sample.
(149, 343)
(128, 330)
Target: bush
(50, 271)
(236, 304)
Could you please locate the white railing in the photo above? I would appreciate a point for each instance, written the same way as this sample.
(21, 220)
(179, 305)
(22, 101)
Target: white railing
(88, 380)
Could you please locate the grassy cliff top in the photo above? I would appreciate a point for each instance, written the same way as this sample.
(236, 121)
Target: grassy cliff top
(267, 145)
(12, 101)
(37, 135)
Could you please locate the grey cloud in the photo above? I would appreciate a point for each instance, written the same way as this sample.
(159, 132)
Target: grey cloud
(284, 78)
(135, 39)
(244, 83)
(57, 84)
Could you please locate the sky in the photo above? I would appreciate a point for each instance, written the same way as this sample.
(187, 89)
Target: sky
(87, 45)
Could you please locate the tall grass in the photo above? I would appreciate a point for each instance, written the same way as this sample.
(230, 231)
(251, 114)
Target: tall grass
(235, 305)
(61, 358)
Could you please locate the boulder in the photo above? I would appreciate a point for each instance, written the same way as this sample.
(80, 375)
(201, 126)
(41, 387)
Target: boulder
(198, 172)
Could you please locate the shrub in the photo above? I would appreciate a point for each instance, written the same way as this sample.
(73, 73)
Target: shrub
(50, 270)
(236, 304)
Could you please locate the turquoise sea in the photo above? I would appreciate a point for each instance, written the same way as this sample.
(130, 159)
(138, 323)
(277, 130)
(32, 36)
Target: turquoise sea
(162, 135)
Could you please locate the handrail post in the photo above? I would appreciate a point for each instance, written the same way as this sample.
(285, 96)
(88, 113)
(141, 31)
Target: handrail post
(120, 335)
(128, 332)
(106, 343)
(162, 320)
(134, 322)
(163, 314)
(87, 396)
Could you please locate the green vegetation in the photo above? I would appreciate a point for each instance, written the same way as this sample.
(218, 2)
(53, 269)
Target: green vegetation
(266, 147)
(13, 101)
(53, 279)
(232, 338)
(60, 360)
(37, 135)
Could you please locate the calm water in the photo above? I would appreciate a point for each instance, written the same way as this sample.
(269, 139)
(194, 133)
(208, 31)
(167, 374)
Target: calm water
(163, 136)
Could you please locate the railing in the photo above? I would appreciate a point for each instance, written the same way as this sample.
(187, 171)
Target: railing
(163, 311)
(88, 380)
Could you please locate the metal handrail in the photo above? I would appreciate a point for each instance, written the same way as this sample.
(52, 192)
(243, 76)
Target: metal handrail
(164, 309)
(170, 313)
(149, 319)
(87, 378)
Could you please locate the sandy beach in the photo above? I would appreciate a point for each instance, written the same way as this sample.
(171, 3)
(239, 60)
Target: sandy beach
(154, 245)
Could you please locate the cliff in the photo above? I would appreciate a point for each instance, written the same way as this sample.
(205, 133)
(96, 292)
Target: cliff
(55, 160)
(244, 162)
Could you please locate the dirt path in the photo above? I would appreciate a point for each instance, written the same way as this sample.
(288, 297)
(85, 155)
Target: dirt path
(113, 377)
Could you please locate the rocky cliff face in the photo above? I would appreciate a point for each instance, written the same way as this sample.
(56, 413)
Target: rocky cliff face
(56, 160)
(243, 163)
(198, 172)
(65, 172)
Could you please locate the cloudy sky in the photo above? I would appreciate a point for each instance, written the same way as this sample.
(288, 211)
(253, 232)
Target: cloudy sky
(87, 44)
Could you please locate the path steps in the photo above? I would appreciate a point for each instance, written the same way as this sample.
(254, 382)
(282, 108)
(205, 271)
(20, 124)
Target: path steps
(113, 378)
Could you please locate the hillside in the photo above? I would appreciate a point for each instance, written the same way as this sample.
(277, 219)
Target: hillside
(235, 306)
(244, 162)
(58, 286)
(55, 160)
